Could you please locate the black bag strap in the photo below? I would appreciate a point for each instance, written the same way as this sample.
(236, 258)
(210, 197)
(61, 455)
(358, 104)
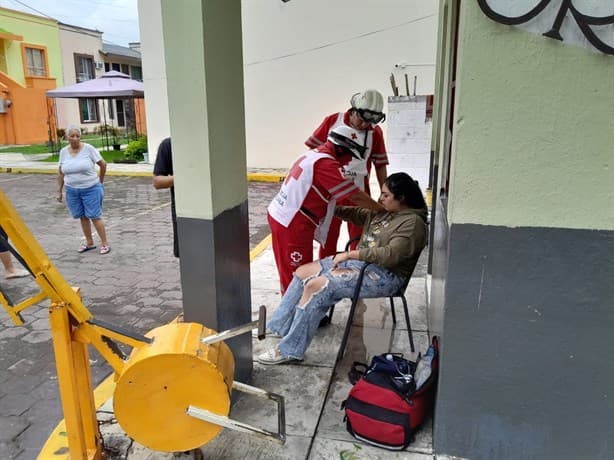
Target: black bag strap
(357, 370)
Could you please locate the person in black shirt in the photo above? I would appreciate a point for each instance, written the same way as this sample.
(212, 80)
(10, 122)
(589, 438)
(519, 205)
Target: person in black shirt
(163, 178)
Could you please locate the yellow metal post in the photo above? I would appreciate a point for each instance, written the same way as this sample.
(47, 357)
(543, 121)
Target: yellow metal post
(75, 387)
(93, 439)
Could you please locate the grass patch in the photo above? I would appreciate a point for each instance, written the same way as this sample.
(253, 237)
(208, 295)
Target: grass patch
(109, 156)
(38, 148)
(93, 139)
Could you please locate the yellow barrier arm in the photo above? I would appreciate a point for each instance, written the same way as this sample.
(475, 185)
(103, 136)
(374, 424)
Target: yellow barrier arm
(73, 327)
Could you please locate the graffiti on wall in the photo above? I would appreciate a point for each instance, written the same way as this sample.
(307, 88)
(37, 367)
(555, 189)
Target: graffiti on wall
(597, 30)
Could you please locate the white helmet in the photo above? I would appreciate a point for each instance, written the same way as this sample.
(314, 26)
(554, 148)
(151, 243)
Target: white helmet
(348, 138)
(370, 105)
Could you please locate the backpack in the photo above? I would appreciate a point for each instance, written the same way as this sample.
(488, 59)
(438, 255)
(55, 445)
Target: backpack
(384, 408)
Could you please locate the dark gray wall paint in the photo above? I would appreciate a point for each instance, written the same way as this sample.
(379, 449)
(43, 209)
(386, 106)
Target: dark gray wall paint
(215, 277)
(526, 367)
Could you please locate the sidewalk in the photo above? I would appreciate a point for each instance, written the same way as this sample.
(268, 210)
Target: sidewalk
(314, 389)
(19, 163)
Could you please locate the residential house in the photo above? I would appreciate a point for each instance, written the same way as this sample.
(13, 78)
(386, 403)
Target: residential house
(124, 113)
(85, 56)
(30, 64)
(81, 61)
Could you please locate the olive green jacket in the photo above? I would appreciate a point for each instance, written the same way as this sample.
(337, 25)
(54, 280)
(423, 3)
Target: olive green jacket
(393, 240)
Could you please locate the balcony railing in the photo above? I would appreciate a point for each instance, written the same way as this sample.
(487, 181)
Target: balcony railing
(36, 71)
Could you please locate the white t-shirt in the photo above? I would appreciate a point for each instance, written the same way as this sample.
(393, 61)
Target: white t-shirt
(80, 170)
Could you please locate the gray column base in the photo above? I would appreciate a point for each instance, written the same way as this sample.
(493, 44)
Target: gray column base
(215, 277)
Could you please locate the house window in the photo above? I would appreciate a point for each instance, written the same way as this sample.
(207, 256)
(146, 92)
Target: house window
(125, 69)
(136, 72)
(84, 68)
(115, 66)
(88, 109)
(35, 62)
(107, 67)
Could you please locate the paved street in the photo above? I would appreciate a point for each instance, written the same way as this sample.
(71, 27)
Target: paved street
(136, 285)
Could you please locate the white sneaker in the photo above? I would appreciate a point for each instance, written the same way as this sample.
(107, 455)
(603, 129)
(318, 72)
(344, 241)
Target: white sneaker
(268, 333)
(273, 356)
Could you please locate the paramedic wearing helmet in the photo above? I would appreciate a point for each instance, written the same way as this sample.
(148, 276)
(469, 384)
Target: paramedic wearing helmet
(365, 113)
(304, 206)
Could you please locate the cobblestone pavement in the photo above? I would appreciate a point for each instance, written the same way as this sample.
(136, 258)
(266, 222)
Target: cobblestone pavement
(136, 286)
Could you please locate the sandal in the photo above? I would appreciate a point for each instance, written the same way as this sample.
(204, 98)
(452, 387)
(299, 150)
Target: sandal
(19, 273)
(85, 247)
(105, 249)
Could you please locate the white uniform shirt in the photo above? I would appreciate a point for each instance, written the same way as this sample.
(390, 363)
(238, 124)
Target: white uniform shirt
(291, 196)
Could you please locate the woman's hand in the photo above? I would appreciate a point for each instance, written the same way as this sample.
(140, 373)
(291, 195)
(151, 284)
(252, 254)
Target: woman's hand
(341, 257)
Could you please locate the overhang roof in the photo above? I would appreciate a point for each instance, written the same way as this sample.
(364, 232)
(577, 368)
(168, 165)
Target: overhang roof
(123, 51)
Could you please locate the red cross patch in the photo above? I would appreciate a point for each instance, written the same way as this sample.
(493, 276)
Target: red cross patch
(295, 170)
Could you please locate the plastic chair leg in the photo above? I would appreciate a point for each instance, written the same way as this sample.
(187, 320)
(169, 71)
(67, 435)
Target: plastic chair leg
(394, 315)
(409, 333)
(348, 325)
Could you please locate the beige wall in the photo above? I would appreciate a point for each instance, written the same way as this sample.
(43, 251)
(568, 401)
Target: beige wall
(303, 60)
(79, 41)
(154, 74)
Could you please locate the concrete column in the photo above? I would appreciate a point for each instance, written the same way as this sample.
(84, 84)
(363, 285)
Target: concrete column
(204, 66)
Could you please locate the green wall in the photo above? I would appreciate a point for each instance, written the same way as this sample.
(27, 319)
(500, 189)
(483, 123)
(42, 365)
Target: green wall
(34, 30)
(205, 88)
(534, 139)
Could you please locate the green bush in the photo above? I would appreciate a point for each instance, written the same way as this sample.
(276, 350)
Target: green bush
(109, 130)
(136, 149)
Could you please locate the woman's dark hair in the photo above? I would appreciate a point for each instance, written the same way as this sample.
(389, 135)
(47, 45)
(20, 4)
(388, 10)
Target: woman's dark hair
(406, 190)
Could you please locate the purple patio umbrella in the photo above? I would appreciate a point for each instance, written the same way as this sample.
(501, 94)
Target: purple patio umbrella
(111, 85)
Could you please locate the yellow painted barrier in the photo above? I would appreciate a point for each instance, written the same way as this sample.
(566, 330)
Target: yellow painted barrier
(56, 446)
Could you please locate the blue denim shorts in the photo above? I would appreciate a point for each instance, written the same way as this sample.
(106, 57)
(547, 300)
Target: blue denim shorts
(85, 202)
(377, 281)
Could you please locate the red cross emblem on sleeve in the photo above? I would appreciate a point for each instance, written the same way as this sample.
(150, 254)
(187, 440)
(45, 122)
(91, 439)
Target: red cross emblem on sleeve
(295, 170)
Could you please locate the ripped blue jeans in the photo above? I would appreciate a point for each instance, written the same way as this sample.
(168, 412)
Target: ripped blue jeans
(298, 324)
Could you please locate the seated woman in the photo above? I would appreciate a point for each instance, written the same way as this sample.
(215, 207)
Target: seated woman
(391, 242)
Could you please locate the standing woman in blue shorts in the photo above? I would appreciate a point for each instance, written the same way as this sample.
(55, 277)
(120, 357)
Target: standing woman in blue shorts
(84, 189)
